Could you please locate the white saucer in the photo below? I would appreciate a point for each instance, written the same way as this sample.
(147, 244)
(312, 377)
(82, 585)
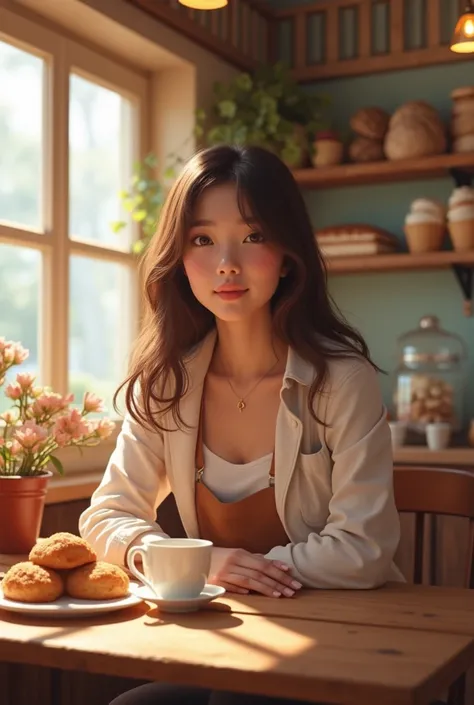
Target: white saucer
(192, 604)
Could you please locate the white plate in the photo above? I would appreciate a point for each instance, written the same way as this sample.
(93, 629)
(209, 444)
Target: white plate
(209, 593)
(68, 606)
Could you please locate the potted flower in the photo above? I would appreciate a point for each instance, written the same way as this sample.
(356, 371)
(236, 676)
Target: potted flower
(39, 423)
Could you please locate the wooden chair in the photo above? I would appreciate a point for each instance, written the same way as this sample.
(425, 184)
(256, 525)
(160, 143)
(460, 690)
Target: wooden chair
(432, 492)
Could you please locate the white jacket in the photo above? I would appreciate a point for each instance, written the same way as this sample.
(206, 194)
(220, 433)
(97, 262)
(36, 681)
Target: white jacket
(333, 484)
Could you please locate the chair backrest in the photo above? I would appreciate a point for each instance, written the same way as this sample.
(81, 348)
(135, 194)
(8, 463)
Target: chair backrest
(432, 491)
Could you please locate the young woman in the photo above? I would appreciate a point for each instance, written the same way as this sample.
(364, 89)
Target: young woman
(251, 399)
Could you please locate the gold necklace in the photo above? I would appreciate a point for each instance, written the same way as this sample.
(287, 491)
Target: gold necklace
(241, 405)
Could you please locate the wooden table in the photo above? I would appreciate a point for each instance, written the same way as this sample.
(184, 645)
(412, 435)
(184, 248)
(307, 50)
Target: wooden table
(400, 645)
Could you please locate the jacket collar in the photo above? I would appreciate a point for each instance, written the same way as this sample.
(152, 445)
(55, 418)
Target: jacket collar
(199, 359)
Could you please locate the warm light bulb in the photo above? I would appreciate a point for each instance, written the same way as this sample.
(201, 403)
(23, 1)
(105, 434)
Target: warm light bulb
(204, 4)
(463, 37)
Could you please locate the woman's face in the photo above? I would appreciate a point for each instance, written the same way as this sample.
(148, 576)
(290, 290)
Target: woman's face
(232, 270)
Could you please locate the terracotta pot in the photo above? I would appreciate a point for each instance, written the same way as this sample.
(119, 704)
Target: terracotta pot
(21, 511)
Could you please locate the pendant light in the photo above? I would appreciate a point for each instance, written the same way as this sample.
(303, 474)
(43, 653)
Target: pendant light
(463, 36)
(204, 4)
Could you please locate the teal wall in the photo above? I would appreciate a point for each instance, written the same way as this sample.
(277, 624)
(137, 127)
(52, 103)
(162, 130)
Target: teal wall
(385, 305)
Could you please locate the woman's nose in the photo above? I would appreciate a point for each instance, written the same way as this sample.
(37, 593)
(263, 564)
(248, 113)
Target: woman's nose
(228, 264)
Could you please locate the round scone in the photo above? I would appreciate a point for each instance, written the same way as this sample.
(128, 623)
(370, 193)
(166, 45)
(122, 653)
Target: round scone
(27, 582)
(97, 581)
(62, 551)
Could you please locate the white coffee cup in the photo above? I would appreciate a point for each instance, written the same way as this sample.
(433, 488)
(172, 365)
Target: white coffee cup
(398, 430)
(438, 435)
(174, 569)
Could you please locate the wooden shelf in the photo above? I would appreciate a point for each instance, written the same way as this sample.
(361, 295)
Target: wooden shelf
(383, 172)
(399, 262)
(421, 455)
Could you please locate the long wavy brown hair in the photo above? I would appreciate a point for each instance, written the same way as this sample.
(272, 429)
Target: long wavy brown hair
(304, 315)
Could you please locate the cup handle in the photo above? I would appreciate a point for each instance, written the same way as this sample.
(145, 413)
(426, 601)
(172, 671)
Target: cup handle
(132, 554)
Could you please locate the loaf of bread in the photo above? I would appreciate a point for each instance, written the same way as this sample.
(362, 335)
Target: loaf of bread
(415, 137)
(364, 149)
(371, 122)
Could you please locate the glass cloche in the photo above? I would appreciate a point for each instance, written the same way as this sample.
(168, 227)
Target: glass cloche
(430, 378)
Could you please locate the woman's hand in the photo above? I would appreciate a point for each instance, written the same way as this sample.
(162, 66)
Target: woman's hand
(240, 571)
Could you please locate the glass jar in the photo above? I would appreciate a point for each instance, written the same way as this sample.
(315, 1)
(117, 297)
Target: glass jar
(430, 378)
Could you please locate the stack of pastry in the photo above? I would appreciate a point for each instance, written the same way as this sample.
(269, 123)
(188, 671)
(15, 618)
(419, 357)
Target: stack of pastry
(425, 225)
(355, 239)
(415, 130)
(370, 126)
(461, 218)
(64, 564)
(462, 119)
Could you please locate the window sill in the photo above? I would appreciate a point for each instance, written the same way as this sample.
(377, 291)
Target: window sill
(80, 485)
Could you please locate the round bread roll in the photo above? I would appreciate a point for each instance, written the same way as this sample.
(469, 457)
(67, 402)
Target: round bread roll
(462, 92)
(463, 107)
(363, 149)
(62, 551)
(370, 122)
(462, 124)
(463, 144)
(414, 109)
(97, 581)
(27, 582)
(410, 139)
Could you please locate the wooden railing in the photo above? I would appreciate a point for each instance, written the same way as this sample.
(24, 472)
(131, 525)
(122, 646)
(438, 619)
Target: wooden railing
(240, 33)
(337, 38)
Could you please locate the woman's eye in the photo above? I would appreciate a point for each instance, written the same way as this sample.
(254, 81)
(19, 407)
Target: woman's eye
(254, 238)
(201, 240)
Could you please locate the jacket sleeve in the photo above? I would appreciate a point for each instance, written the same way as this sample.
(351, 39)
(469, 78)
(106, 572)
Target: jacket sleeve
(356, 547)
(124, 505)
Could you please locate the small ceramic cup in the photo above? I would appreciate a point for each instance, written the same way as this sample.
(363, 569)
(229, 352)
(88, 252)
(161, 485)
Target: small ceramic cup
(173, 569)
(398, 429)
(438, 435)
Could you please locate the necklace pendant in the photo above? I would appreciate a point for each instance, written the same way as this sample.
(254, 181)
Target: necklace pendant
(241, 405)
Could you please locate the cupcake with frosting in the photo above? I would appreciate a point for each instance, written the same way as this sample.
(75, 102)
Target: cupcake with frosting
(425, 225)
(461, 218)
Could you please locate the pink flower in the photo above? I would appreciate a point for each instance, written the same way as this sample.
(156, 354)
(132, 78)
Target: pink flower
(9, 417)
(30, 436)
(20, 353)
(92, 403)
(25, 380)
(9, 353)
(103, 428)
(14, 447)
(49, 403)
(13, 391)
(70, 427)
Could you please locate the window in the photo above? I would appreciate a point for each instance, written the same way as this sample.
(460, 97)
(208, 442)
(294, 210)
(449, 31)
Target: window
(71, 126)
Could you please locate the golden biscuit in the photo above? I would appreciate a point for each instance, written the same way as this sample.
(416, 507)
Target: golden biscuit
(62, 551)
(97, 581)
(27, 582)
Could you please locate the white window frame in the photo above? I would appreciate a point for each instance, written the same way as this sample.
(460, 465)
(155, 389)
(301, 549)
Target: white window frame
(63, 56)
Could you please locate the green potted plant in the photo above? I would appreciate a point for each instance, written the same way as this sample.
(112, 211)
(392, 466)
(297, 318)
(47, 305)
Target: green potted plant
(39, 423)
(268, 109)
(145, 198)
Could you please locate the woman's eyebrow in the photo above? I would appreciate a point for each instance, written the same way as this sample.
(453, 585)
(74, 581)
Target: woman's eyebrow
(204, 222)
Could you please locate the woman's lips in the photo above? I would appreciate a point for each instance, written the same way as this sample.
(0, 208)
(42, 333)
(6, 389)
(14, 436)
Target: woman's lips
(231, 295)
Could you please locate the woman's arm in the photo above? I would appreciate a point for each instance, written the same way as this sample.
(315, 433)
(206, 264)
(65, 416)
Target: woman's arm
(356, 547)
(124, 505)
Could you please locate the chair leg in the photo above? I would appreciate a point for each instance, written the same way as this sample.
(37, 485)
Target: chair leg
(457, 691)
